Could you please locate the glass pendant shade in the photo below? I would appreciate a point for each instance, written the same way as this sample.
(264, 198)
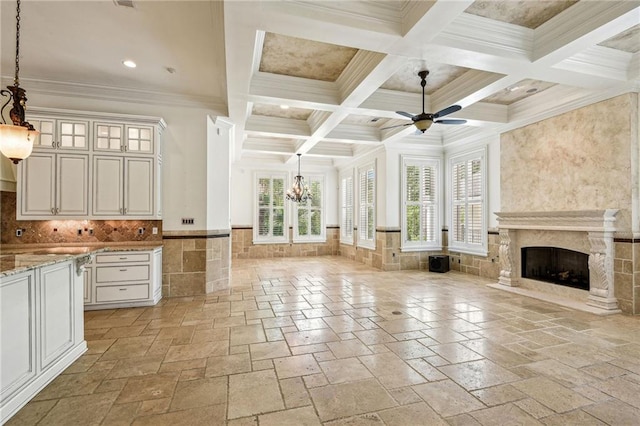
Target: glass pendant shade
(16, 142)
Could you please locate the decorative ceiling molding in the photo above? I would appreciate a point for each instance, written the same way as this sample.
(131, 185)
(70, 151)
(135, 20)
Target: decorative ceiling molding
(599, 61)
(276, 126)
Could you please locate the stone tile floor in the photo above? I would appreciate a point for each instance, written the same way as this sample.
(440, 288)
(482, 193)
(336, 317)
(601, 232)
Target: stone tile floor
(311, 341)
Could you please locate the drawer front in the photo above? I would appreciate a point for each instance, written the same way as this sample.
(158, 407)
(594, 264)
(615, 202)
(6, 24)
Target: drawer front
(122, 257)
(122, 293)
(122, 273)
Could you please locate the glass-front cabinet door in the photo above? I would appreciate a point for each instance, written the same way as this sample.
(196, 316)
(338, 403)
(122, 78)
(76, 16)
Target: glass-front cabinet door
(108, 137)
(139, 139)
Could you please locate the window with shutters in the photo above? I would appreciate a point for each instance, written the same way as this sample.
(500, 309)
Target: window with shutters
(346, 204)
(271, 217)
(468, 230)
(420, 204)
(309, 216)
(367, 206)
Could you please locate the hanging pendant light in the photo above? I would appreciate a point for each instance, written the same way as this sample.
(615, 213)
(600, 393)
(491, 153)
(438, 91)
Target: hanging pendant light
(16, 139)
(299, 192)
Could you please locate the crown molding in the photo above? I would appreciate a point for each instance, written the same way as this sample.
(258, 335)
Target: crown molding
(119, 94)
(472, 86)
(35, 110)
(324, 149)
(356, 72)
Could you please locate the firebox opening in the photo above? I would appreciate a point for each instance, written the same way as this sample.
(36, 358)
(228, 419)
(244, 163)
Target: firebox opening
(556, 265)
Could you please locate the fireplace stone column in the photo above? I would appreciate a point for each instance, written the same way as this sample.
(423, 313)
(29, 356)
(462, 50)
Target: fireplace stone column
(601, 292)
(507, 259)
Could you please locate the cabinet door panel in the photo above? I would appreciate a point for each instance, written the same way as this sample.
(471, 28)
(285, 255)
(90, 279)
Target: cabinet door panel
(87, 273)
(37, 185)
(46, 138)
(139, 139)
(107, 186)
(56, 311)
(18, 332)
(73, 182)
(138, 190)
(108, 137)
(73, 134)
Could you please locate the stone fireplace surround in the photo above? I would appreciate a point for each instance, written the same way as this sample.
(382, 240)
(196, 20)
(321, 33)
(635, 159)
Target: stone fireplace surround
(590, 231)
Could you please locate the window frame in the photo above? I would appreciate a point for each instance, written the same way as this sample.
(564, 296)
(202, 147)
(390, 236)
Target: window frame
(347, 237)
(270, 239)
(307, 206)
(480, 249)
(421, 161)
(368, 243)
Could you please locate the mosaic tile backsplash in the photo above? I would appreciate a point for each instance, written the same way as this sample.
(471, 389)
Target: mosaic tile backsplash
(66, 231)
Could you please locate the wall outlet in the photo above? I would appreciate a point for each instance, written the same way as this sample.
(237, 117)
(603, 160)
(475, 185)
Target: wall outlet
(154, 230)
(187, 221)
(18, 232)
(140, 231)
(79, 231)
(90, 231)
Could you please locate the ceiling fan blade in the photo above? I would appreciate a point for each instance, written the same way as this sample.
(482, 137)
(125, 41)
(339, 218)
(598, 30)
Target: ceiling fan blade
(406, 114)
(451, 121)
(447, 111)
(399, 125)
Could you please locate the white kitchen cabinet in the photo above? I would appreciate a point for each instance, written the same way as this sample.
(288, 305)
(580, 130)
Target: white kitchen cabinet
(88, 280)
(53, 185)
(126, 279)
(65, 134)
(42, 326)
(118, 176)
(123, 186)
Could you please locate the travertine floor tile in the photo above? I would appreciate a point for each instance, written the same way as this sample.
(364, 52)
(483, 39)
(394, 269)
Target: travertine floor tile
(295, 417)
(344, 370)
(203, 416)
(295, 366)
(196, 350)
(269, 350)
(80, 410)
(409, 414)
(551, 394)
(507, 414)
(254, 393)
(348, 399)
(447, 398)
(148, 387)
(478, 374)
(199, 393)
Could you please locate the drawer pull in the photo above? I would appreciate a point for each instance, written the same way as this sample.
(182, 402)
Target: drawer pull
(122, 258)
(123, 270)
(123, 289)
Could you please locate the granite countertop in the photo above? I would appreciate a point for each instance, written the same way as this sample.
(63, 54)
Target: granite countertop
(15, 259)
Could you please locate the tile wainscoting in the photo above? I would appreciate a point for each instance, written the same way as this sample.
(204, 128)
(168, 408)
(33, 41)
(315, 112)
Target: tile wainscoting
(242, 246)
(196, 262)
(389, 257)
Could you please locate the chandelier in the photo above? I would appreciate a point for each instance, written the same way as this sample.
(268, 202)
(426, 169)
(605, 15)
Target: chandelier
(299, 192)
(16, 140)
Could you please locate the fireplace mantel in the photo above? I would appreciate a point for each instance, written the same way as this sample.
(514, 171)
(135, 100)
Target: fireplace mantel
(599, 227)
(575, 220)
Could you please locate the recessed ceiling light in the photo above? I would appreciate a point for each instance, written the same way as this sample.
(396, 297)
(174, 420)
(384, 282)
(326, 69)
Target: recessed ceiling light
(171, 70)
(513, 89)
(129, 63)
(284, 106)
(533, 90)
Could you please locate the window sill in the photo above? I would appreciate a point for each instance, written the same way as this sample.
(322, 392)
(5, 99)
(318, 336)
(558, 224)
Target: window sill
(310, 241)
(261, 242)
(483, 252)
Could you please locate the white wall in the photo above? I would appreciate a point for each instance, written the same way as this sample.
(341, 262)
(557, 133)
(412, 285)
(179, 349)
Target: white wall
(184, 152)
(243, 189)
(219, 140)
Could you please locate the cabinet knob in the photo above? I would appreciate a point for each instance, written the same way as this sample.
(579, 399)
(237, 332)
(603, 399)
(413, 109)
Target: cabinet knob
(57, 210)
(53, 144)
(125, 210)
(121, 210)
(53, 211)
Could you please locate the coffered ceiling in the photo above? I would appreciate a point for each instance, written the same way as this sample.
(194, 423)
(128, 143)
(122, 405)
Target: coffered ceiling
(325, 78)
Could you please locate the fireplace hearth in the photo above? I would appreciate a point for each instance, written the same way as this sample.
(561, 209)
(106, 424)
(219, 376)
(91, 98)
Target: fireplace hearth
(556, 265)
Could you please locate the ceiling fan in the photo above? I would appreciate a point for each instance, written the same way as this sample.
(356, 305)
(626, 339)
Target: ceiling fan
(424, 120)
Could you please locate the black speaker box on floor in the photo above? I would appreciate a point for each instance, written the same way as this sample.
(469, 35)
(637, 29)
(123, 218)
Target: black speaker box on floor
(439, 263)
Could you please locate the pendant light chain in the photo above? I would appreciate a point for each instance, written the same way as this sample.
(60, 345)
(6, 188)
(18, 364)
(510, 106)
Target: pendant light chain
(16, 80)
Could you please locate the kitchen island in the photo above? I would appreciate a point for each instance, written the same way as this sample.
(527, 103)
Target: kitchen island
(44, 290)
(41, 321)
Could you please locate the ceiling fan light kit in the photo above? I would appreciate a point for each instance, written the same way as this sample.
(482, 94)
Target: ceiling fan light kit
(424, 120)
